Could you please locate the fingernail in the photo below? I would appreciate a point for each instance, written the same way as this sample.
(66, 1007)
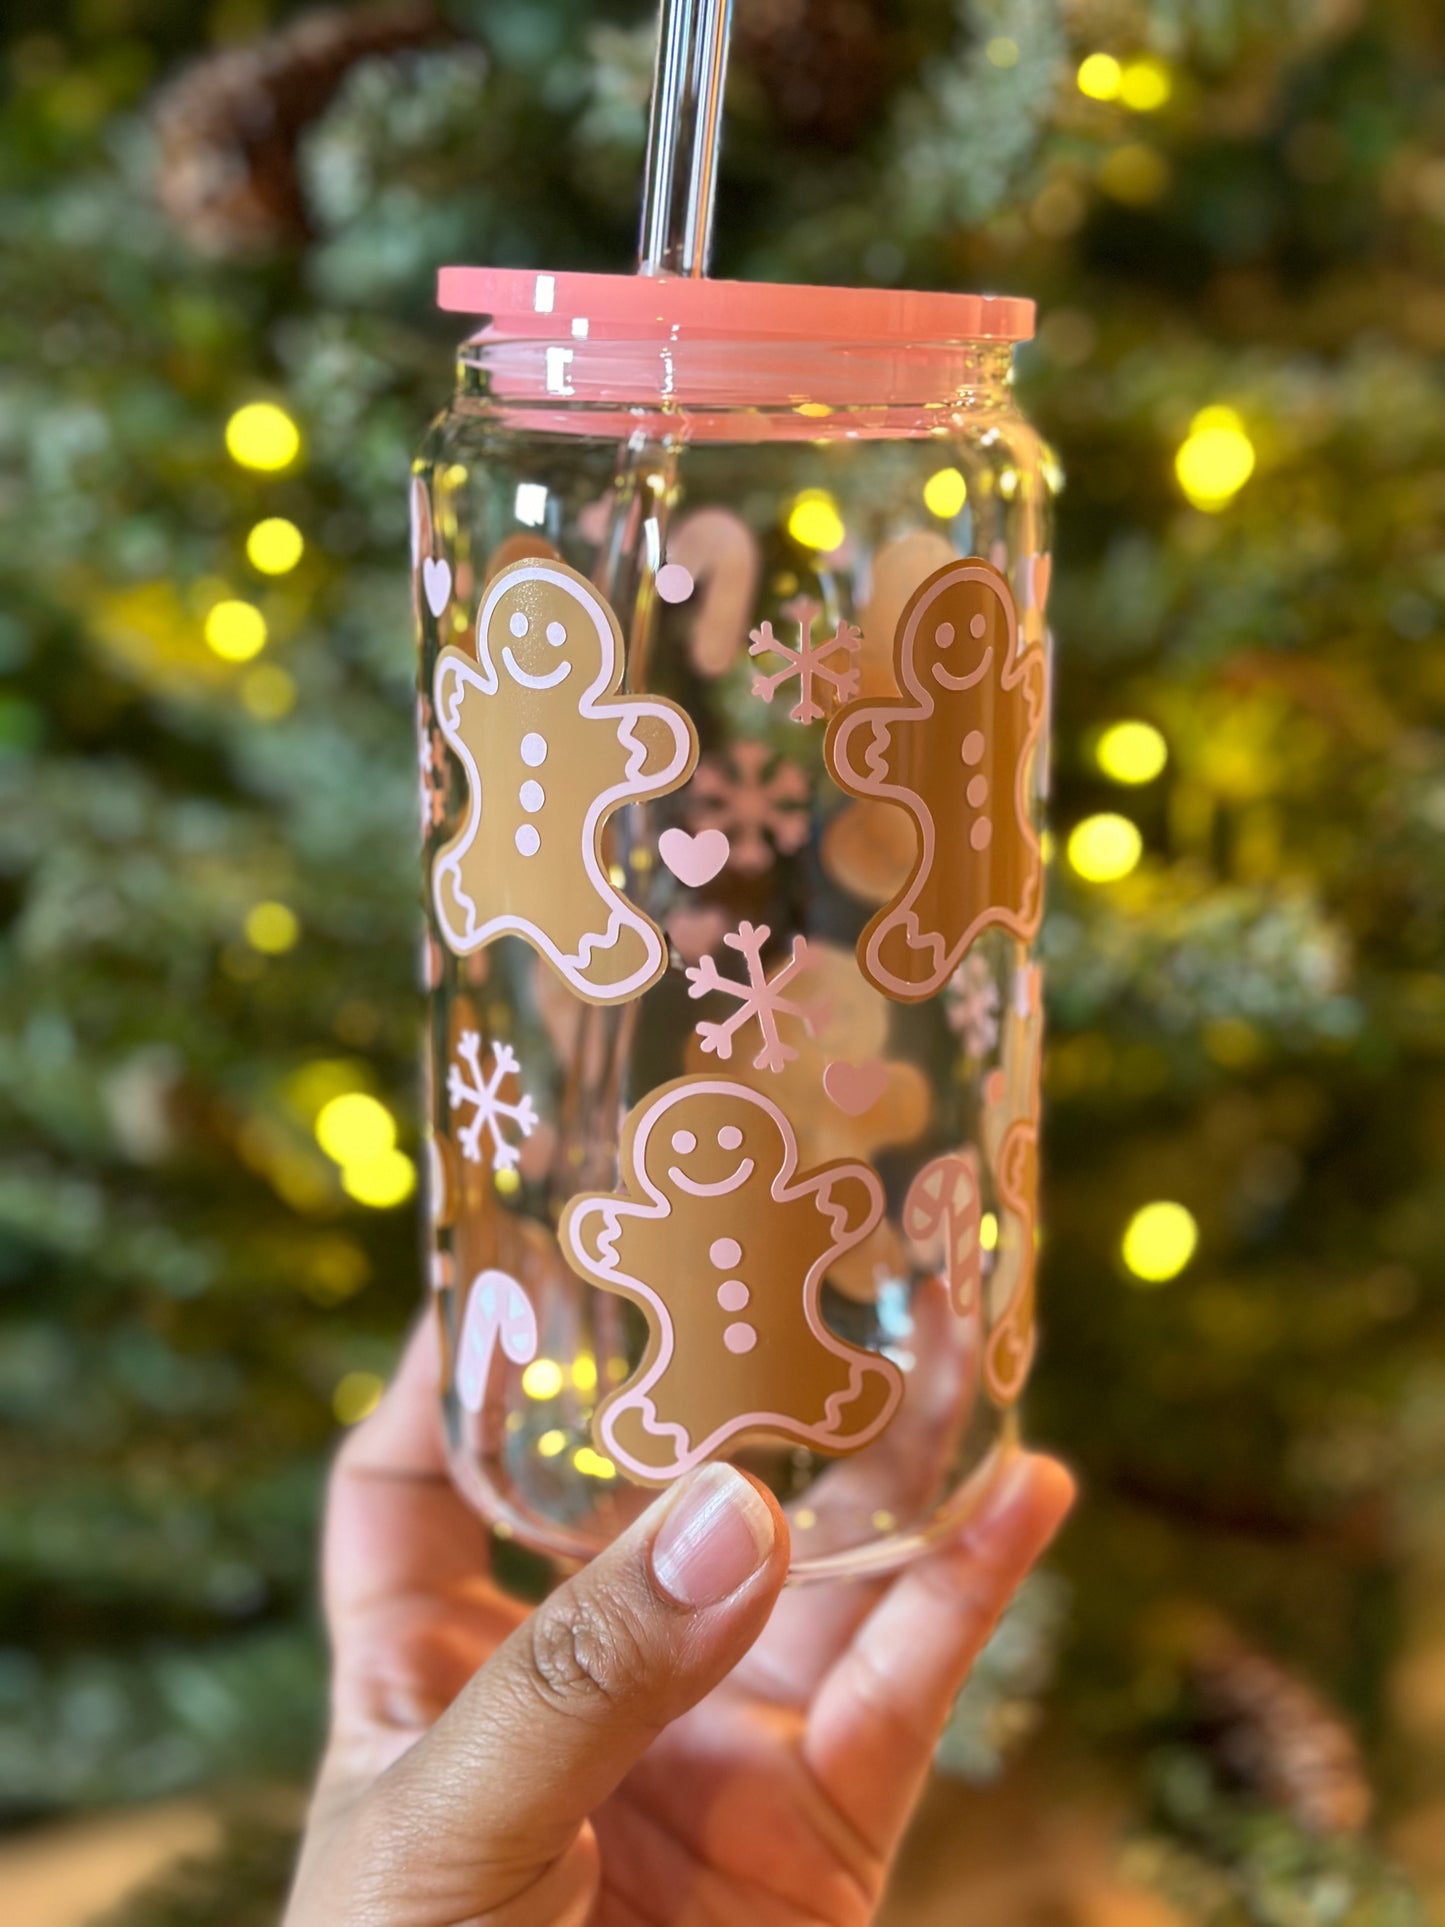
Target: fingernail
(715, 1536)
(1028, 1472)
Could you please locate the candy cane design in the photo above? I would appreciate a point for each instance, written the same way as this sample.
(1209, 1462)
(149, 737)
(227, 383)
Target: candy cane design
(498, 1313)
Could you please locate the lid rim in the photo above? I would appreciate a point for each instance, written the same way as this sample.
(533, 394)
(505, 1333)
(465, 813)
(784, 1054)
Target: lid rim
(531, 303)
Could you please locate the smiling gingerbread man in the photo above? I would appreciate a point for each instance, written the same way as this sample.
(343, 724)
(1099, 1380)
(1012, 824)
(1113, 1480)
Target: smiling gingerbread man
(724, 1244)
(550, 751)
(954, 751)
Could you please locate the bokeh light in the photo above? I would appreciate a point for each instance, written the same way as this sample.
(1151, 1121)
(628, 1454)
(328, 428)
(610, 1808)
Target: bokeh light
(814, 521)
(1099, 76)
(356, 1396)
(262, 436)
(1104, 848)
(381, 1182)
(945, 493)
(1215, 460)
(542, 1378)
(235, 631)
(272, 928)
(1131, 752)
(592, 1464)
(1159, 1240)
(584, 1373)
(1145, 85)
(355, 1127)
(275, 546)
(268, 693)
(551, 1443)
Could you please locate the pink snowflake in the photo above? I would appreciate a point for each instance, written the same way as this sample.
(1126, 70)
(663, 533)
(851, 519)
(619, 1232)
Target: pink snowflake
(972, 1005)
(811, 662)
(734, 794)
(758, 996)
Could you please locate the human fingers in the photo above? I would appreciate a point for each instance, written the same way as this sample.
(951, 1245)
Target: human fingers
(876, 1719)
(897, 1478)
(395, 1523)
(487, 1811)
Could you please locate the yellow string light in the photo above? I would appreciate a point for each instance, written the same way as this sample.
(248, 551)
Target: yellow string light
(235, 631)
(551, 1443)
(356, 1396)
(262, 436)
(1104, 848)
(814, 521)
(592, 1464)
(542, 1378)
(945, 493)
(354, 1128)
(1158, 1242)
(1131, 752)
(584, 1373)
(275, 546)
(272, 928)
(1215, 460)
(1145, 85)
(1099, 76)
(268, 692)
(383, 1181)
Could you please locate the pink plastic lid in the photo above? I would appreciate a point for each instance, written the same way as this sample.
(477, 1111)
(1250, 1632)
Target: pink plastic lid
(524, 303)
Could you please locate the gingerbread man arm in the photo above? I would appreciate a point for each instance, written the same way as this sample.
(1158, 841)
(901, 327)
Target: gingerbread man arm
(658, 743)
(859, 747)
(850, 1197)
(457, 683)
(591, 1226)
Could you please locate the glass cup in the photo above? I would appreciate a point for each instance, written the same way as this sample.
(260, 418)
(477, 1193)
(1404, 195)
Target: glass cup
(733, 705)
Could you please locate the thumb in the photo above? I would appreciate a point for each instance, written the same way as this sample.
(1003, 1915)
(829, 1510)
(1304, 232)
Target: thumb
(494, 1796)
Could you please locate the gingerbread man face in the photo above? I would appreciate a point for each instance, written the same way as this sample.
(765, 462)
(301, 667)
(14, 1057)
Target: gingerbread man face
(724, 1245)
(954, 752)
(550, 752)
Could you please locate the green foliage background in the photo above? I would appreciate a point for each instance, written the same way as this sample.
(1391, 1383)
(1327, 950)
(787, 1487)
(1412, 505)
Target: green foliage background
(1253, 1022)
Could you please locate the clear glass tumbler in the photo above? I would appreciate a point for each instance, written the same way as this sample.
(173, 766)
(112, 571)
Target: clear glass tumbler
(733, 705)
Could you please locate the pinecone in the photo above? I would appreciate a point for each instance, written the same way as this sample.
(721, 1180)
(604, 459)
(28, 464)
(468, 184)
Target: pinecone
(820, 63)
(228, 127)
(1275, 1733)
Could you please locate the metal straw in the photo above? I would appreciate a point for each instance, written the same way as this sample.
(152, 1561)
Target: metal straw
(683, 137)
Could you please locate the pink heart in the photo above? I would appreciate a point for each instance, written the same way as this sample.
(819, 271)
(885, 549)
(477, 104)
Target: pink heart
(855, 1088)
(436, 580)
(694, 860)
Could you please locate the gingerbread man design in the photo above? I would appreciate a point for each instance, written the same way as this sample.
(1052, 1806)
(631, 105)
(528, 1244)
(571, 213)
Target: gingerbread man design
(954, 751)
(1010, 1131)
(724, 1243)
(550, 751)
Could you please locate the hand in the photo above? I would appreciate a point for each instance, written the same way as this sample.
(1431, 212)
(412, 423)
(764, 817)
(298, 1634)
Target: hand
(661, 1740)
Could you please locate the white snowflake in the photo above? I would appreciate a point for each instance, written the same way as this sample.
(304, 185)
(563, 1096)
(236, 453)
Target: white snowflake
(973, 1004)
(491, 1110)
(734, 794)
(759, 996)
(811, 662)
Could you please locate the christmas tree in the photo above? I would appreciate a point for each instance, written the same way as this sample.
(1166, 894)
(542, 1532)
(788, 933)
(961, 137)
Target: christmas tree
(220, 348)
